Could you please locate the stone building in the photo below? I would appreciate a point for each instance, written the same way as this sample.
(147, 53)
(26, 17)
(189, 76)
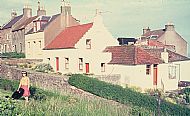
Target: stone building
(45, 29)
(168, 36)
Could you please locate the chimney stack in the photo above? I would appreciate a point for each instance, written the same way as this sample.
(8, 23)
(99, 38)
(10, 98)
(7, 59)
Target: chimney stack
(164, 56)
(65, 8)
(27, 12)
(13, 14)
(145, 30)
(41, 10)
(169, 27)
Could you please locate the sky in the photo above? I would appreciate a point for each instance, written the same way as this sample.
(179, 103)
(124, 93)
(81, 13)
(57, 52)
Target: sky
(123, 18)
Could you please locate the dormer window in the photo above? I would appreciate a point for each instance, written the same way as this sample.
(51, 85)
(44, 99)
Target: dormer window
(88, 43)
(154, 36)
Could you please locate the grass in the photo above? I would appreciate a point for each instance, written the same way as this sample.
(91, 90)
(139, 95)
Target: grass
(60, 105)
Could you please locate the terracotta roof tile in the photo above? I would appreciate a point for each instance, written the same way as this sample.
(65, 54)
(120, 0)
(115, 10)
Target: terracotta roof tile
(131, 55)
(159, 33)
(69, 37)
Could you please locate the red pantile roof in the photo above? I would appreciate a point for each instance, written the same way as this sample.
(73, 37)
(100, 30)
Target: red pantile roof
(69, 37)
(159, 33)
(131, 55)
(155, 43)
(173, 56)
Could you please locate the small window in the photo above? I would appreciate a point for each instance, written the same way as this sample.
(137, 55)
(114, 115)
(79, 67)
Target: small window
(88, 43)
(172, 72)
(34, 42)
(48, 59)
(102, 67)
(20, 47)
(40, 43)
(66, 63)
(148, 69)
(81, 64)
(28, 44)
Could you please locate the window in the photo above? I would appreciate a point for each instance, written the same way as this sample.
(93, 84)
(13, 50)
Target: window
(154, 36)
(28, 44)
(172, 72)
(66, 63)
(20, 47)
(7, 36)
(102, 67)
(48, 59)
(40, 43)
(88, 43)
(80, 63)
(34, 42)
(148, 69)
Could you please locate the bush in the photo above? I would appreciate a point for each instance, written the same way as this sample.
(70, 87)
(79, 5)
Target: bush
(125, 95)
(8, 85)
(14, 55)
(8, 108)
(46, 68)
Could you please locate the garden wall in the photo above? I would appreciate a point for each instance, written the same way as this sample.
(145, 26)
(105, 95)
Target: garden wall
(47, 81)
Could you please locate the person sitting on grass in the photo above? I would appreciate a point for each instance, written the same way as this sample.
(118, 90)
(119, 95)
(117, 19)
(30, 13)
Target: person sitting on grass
(25, 84)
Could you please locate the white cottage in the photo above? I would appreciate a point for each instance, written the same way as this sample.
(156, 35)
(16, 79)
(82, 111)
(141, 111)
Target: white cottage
(79, 49)
(147, 68)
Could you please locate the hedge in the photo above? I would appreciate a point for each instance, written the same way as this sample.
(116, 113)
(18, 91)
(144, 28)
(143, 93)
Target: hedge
(13, 55)
(125, 95)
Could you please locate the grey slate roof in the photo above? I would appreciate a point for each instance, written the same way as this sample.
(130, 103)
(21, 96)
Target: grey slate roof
(50, 19)
(12, 22)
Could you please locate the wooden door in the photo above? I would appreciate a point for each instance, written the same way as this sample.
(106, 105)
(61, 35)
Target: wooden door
(57, 63)
(87, 68)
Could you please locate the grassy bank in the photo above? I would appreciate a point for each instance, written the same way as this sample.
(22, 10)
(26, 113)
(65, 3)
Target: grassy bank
(47, 103)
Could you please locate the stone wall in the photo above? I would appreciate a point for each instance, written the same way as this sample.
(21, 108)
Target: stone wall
(14, 62)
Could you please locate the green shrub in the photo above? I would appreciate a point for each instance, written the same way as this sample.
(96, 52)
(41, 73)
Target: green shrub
(46, 68)
(8, 107)
(125, 95)
(8, 84)
(14, 55)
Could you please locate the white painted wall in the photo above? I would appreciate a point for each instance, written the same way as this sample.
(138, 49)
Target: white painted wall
(184, 70)
(100, 39)
(34, 51)
(135, 75)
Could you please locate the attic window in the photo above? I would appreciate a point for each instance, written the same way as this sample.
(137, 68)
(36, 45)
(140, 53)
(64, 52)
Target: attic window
(154, 36)
(148, 69)
(88, 44)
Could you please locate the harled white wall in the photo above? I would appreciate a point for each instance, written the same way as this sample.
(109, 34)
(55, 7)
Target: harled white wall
(34, 51)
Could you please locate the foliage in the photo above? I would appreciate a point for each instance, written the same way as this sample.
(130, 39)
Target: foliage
(125, 95)
(8, 107)
(14, 55)
(46, 68)
(8, 84)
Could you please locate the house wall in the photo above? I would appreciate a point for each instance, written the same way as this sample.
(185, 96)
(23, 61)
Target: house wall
(100, 39)
(34, 50)
(173, 38)
(18, 44)
(135, 75)
(6, 40)
(184, 70)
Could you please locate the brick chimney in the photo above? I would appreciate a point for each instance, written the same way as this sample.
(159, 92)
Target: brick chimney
(145, 30)
(41, 10)
(164, 56)
(169, 27)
